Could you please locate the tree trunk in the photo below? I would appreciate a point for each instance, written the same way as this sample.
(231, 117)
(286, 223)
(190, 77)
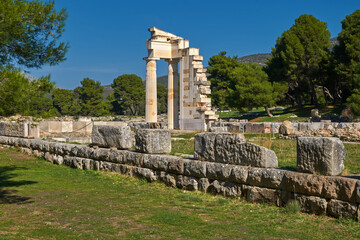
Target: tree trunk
(268, 112)
(298, 98)
(313, 93)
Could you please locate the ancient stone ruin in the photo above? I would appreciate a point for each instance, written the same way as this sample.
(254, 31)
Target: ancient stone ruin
(189, 107)
(224, 164)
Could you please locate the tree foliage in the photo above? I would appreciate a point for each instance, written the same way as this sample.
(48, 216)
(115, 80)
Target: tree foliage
(65, 102)
(20, 96)
(299, 57)
(129, 93)
(347, 59)
(240, 85)
(220, 69)
(90, 98)
(162, 94)
(30, 32)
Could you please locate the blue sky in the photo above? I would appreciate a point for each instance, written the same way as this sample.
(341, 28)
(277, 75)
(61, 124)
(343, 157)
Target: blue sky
(107, 37)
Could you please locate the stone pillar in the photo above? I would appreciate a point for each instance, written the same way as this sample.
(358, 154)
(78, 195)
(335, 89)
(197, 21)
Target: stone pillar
(173, 102)
(151, 90)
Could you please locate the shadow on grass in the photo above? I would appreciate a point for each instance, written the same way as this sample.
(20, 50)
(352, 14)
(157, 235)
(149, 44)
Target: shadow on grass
(8, 195)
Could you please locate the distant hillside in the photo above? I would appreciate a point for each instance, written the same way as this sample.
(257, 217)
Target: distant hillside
(262, 57)
(255, 58)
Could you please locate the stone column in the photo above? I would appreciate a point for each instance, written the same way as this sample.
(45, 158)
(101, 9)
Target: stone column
(151, 90)
(173, 81)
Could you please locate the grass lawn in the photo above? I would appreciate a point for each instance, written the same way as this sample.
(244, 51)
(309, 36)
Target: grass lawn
(259, 114)
(40, 200)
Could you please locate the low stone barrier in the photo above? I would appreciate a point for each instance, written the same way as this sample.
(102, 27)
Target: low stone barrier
(112, 136)
(232, 148)
(332, 195)
(324, 156)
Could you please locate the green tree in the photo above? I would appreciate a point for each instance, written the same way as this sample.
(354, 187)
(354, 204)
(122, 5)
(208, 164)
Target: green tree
(129, 93)
(66, 102)
(30, 32)
(13, 92)
(162, 94)
(39, 94)
(252, 88)
(220, 68)
(20, 96)
(90, 98)
(347, 59)
(299, 56)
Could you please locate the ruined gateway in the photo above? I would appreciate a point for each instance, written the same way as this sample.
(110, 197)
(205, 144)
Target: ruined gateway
(189, 107)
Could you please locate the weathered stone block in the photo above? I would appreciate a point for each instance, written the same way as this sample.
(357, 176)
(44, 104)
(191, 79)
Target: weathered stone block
(218, 129)
(262, 195)
(145, 173)
(239, 174)
(308, 184)
(337, 208)
(134, 158)
(218, 171)
(176, 165)
(320, 155)
(340, 188)
(156, 162)
(194, 168)
(226, 189)
(286, 128)
(311, 204)
(232, 149)
(112, 136)
(186, 182)
(203, 184)
(265, 177)
(153, 141)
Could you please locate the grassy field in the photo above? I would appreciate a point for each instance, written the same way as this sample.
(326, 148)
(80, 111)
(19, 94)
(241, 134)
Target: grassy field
(280, 115)
(40, 200)
(285, 150)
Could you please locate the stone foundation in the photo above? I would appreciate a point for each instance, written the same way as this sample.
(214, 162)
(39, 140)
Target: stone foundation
(335, 196)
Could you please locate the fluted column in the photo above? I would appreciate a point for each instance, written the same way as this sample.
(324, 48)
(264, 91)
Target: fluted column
(151, 91)
(172, 106)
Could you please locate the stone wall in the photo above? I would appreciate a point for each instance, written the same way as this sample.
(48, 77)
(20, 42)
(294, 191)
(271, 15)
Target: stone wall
(19, 129)
(335, 196)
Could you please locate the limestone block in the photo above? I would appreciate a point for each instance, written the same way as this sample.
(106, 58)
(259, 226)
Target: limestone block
(226, 189)
(175, 164)
(320, 155)
(112, 136)
(308, 184)
(156, 162)
(101, 154)
(286, 128)
(203, 184)
(262, 195)
(265, 177)
(134, 158)
(145, 173)
(195, 168)
(311, 204)
(338, 208)
(186, 182)
(218, 171)
(153, 140)
(58, 159)
(340, 188)
(231, 148)
(239, 174)
(218, 129)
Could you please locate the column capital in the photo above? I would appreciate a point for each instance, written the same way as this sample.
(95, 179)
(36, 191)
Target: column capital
(150, 59)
